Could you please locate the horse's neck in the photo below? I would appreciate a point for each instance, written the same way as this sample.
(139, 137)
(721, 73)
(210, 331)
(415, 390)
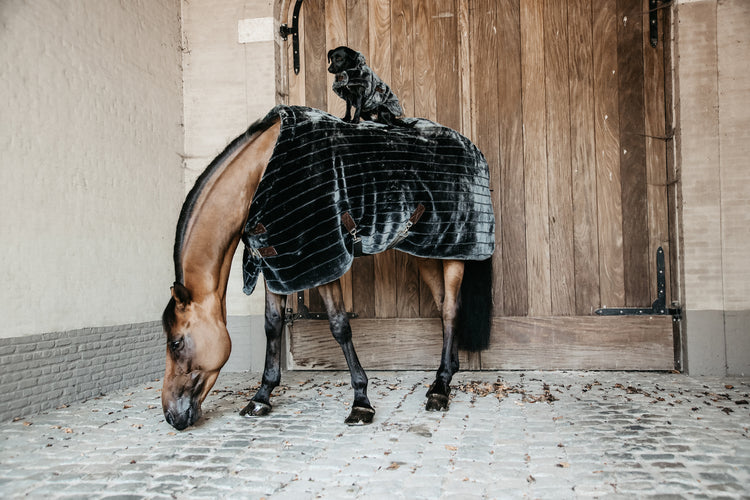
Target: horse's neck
(218, 216)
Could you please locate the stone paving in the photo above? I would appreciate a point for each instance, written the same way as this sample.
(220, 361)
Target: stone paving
(507, 435)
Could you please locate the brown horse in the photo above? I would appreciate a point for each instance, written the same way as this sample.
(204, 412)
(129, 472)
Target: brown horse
(208, 232)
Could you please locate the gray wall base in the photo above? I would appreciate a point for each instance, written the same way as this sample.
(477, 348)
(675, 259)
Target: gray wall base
(44, 371)
(717, 342)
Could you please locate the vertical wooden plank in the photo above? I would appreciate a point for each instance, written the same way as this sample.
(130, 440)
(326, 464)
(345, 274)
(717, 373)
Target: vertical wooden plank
(608, 187)
(315, 54)
(358, 26)
(583, 157)
(633, 152)
(562, 269)
(535, 158)
(363, 269)
(486, 126)
(447, 77)
(335, 36)
(656, 148)
(464, 65)
(380, 62)
(402, 53)
(511, 236)
(402, 83)
(425, 104)
(674, 191)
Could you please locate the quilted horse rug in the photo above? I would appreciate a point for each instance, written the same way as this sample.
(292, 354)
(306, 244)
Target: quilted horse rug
(333, 189)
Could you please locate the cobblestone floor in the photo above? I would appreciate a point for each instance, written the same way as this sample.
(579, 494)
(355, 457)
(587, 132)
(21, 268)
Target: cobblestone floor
(507, 435)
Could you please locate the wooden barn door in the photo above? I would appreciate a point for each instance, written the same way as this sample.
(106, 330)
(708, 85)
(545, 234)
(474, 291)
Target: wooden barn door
(566, 99)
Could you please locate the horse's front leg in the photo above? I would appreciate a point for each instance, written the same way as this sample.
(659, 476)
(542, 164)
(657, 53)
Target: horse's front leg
(362, 411)
(437, 395)
(261, 402)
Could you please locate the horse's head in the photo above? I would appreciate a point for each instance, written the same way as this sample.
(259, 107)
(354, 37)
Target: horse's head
(198, 345)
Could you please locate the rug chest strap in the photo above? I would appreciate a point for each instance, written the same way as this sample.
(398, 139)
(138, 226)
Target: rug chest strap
(261, 253)
(351, 228)
(404, 232)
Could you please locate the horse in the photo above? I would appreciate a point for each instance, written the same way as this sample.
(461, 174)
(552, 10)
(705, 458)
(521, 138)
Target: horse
(211, 224)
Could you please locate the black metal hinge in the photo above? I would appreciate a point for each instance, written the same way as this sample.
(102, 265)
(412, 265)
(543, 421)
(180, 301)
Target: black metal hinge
(659, 307)
(285, 31)
(304, 313)
(653, 22)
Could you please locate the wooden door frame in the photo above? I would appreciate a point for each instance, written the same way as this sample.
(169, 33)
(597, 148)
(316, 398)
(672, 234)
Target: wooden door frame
(562, 336)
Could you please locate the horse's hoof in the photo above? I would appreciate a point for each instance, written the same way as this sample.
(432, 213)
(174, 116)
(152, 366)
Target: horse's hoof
(255, 409)
(436, 402)
(360, 415)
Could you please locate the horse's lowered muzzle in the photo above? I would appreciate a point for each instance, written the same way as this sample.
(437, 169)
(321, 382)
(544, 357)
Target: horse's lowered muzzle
(182, 414)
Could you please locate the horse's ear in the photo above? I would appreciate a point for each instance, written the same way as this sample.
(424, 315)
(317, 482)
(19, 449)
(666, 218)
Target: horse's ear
(181, 294)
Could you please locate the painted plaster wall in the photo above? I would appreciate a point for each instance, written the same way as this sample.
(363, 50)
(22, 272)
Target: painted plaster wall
(90, 144)
(712, 43)
(229, 82)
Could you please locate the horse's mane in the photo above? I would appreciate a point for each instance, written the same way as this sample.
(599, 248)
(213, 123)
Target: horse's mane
(192, 197)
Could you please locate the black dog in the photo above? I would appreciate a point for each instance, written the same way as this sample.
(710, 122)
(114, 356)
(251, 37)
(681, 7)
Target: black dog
(362, 89)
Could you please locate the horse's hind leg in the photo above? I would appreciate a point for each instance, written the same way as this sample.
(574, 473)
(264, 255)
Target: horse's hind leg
(445, 289)
(362, 411)
(261, 402)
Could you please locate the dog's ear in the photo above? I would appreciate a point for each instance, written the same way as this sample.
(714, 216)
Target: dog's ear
(330, 54)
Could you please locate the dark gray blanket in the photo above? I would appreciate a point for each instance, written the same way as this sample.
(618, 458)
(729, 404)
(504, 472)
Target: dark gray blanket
(326, 173)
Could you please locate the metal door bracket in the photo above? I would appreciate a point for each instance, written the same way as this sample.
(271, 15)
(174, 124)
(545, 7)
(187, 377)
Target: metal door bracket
(304, 313)
(285, 31)
(659, 307)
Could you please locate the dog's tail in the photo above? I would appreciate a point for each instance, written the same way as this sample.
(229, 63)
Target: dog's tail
(475, 307)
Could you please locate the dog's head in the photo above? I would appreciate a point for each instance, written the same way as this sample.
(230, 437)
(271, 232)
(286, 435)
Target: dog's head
(343, 58)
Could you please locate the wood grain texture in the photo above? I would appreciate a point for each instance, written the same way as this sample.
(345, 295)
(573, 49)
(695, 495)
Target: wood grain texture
(363, 279)
(381, 344)
(444, 31)
(358, 26)
(535, 158)
(315, 54)
(559, 179)
(580, 343)
(583, 157)
(511, 235)
(607, 136)
(633, 152)
(465, 65)
(486, 125)
(549, 343)
(402, 53)
(425, 62)
(656, 150)
(540, 86)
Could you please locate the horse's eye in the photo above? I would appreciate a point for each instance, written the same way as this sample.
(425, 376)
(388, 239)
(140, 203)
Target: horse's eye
(176, 345)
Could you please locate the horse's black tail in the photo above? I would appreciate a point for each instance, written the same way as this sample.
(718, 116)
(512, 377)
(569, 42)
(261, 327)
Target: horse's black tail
(475, 307)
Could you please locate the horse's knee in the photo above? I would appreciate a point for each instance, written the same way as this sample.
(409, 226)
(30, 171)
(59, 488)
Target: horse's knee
(341, 329)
